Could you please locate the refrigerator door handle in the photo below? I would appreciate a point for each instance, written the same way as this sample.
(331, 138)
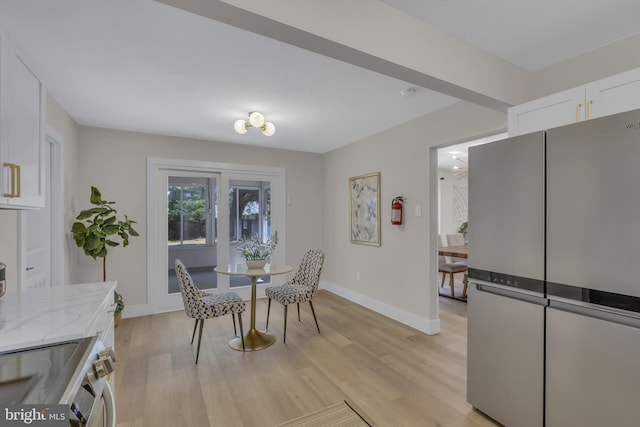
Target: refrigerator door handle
(595, 311)
(509, 292)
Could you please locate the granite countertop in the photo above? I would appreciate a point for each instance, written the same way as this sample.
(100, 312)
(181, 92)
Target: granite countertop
(37, 317)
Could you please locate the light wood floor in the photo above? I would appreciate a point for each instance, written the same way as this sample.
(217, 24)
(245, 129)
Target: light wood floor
(394, 374)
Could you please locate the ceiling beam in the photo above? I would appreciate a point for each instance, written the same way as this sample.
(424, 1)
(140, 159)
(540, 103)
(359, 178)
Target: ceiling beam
(372, 35)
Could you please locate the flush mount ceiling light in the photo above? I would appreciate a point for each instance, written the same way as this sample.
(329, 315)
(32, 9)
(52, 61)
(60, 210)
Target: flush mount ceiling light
(256, 120)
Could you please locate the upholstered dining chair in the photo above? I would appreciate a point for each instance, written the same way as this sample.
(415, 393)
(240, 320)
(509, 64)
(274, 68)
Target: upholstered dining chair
(302, 288)
(201, 305)
(456, 239)
(451, 269)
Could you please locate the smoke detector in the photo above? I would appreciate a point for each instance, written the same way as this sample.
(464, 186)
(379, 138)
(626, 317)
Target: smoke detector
(409, 92)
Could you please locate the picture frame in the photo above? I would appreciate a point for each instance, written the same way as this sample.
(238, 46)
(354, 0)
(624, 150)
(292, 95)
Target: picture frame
(364, 192)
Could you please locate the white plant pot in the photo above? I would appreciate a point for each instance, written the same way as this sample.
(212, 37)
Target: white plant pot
(256, 263)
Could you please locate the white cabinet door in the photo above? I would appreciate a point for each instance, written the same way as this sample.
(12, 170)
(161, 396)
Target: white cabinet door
(4, 129)
(108, 335)
(603, 97)
(35, 245)
(551, 111)
(614, 94)
(103, 324)
(23, 159)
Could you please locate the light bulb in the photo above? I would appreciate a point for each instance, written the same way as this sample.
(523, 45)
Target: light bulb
(256, 119)
(241, 126)
(268, 129)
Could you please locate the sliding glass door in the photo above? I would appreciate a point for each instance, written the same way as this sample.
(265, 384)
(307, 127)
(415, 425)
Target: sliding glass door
(198, 212)
(249, 215)
(191, 229)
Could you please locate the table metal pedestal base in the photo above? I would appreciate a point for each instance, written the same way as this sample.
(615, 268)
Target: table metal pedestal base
(253, 340)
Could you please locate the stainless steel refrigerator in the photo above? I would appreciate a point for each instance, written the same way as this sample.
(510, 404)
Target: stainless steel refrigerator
(506, 304)
(564, 216)
(593, 273)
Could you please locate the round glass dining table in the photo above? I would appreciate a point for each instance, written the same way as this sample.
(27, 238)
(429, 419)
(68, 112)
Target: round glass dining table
(253, 338)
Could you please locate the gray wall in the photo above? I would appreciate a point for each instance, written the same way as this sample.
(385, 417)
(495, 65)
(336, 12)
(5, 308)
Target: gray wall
(396, 278)
(115, 162)
(612, 59)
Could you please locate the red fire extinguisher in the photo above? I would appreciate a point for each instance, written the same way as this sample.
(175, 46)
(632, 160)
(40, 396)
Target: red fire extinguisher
(396, 210)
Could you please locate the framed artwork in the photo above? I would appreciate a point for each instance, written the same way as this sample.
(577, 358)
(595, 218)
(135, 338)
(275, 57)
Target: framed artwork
(365, 209)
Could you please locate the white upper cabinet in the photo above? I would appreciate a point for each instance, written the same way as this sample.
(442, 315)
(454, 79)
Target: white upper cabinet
(604, 97)
(614, 94)
(551, 111)
(22, 128)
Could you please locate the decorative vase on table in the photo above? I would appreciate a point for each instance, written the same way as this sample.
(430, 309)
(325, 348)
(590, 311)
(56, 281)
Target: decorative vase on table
(255, 251)
(256, 263)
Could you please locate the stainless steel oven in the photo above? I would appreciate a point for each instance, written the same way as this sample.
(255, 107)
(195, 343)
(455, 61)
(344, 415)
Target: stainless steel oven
(72, 373)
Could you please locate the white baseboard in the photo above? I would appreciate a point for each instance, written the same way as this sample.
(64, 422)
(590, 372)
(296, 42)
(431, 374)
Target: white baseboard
(430, 327)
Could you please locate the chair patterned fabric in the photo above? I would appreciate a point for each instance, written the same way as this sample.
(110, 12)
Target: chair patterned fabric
(289, 293)
(204, 305)
(301, 288)
(201, 305)
(304, 285)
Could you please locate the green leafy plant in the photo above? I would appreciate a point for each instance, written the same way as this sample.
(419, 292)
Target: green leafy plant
(95, 230)
(118, 301)
(464, 228)
(254, 248)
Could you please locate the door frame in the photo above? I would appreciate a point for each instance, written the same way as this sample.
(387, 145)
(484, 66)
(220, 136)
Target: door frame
(55, 198)
(156, 218)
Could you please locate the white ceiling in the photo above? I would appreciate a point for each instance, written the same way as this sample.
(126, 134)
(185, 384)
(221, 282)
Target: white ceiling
(447, 155)
(531, 34)
(143, 66)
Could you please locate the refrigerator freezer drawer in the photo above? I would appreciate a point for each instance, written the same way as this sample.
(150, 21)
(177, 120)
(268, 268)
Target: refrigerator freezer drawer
(505, 358)
(593, 371)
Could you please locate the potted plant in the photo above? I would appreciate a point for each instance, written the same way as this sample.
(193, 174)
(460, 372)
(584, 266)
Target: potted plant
(255, 251)
(119, 306)
(464, 229)
(94, 231)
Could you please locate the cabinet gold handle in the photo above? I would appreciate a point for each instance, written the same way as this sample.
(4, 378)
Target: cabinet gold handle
(589, 109)
(578, 108)
(12, 179)
(18, 180)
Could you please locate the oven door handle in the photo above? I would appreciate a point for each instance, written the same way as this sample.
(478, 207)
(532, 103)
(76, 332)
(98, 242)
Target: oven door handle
(109, 405)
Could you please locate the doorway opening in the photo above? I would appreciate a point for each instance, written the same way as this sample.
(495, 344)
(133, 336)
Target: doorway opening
(453, 221)
(41, 231)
